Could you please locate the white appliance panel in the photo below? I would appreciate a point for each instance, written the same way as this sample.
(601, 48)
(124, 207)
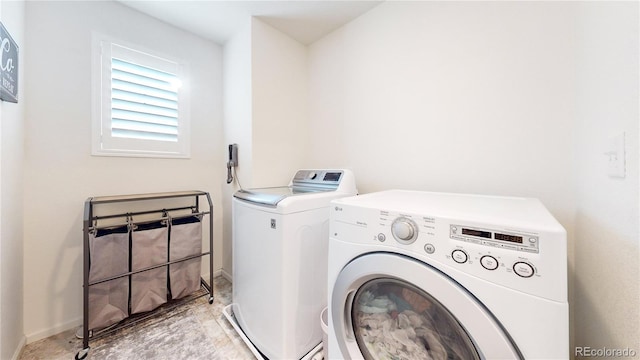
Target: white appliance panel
(280, 264)
(511, 258)
(373, 226)
(260, 255)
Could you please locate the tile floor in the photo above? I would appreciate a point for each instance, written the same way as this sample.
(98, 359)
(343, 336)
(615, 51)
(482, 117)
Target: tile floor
(204, 324)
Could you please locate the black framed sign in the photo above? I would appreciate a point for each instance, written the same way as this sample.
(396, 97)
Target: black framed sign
(8, 67)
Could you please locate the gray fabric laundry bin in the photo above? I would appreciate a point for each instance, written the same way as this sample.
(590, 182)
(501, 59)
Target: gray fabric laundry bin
(185, 240)
(109, 256)
(149, 246)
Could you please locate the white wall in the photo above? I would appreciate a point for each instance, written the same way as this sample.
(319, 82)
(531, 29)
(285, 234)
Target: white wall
(266, 98)
(607, 296)
(279, 105)
(510, 98)
(60, 173)
(237, 124)
(11, 190)
(447, 96)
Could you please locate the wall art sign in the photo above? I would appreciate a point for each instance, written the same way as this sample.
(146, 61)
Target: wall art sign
(8, 67)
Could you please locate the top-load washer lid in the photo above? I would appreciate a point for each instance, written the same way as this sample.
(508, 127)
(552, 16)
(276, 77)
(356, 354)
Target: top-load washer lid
(304, 182)
(272, 196)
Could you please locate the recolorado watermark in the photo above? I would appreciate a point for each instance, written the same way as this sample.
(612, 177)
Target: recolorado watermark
(587, 351)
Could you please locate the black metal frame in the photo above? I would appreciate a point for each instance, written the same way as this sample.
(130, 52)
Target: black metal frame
(88, 225)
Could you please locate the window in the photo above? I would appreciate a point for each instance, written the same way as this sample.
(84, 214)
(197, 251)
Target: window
(140, 103)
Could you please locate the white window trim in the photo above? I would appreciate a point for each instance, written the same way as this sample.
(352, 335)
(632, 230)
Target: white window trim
(102, 143)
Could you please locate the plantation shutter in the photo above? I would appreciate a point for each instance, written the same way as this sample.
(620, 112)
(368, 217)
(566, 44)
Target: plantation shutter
(144, 102)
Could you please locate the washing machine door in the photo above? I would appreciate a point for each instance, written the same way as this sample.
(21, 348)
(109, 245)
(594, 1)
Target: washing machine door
(389, 306)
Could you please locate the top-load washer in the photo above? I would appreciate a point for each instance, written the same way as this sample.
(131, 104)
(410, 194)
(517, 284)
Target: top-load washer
(280, 244)
(417, 275)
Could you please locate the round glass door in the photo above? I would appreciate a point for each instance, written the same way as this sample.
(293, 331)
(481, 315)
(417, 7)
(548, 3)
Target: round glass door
(390, 306)
(393, 319)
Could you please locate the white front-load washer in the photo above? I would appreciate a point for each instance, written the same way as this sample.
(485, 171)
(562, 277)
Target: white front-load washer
(418, 275)
(280, 244)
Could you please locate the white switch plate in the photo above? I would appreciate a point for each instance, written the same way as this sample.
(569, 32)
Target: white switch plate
(615, 156)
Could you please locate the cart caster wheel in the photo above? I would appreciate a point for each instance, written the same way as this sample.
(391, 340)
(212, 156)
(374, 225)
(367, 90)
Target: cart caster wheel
(211, 300)
(82, 354)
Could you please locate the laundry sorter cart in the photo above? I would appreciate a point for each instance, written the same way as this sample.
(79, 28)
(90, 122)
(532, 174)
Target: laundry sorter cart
(142, 253)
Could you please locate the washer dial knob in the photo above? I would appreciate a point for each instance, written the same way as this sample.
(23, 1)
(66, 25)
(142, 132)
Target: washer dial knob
(489, 262)
(523, 269)
(404, 230)
(459, 256)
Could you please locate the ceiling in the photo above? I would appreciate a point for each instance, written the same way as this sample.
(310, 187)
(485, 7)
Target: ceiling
(304, 20)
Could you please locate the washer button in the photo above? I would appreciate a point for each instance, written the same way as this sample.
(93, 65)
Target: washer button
(459, 256)
(429, 248)
(381, 237)
(489, 262)
(523, 269)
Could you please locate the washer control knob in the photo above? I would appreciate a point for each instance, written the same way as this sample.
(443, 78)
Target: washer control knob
(459, 256)
(404, 230)
(489, 262)
(312, 175)
(523, 269)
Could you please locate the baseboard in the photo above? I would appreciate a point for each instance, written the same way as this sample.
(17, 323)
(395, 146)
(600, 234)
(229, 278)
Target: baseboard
(43, 334)
(18, 352)
(225, 275)
(216, 273)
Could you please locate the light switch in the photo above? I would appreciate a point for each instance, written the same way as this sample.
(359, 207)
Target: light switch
(615, 156)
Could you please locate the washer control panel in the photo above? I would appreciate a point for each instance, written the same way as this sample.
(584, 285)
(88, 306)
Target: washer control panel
(487, 252)
(503, 249)
(510, 240)
(475, 246)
